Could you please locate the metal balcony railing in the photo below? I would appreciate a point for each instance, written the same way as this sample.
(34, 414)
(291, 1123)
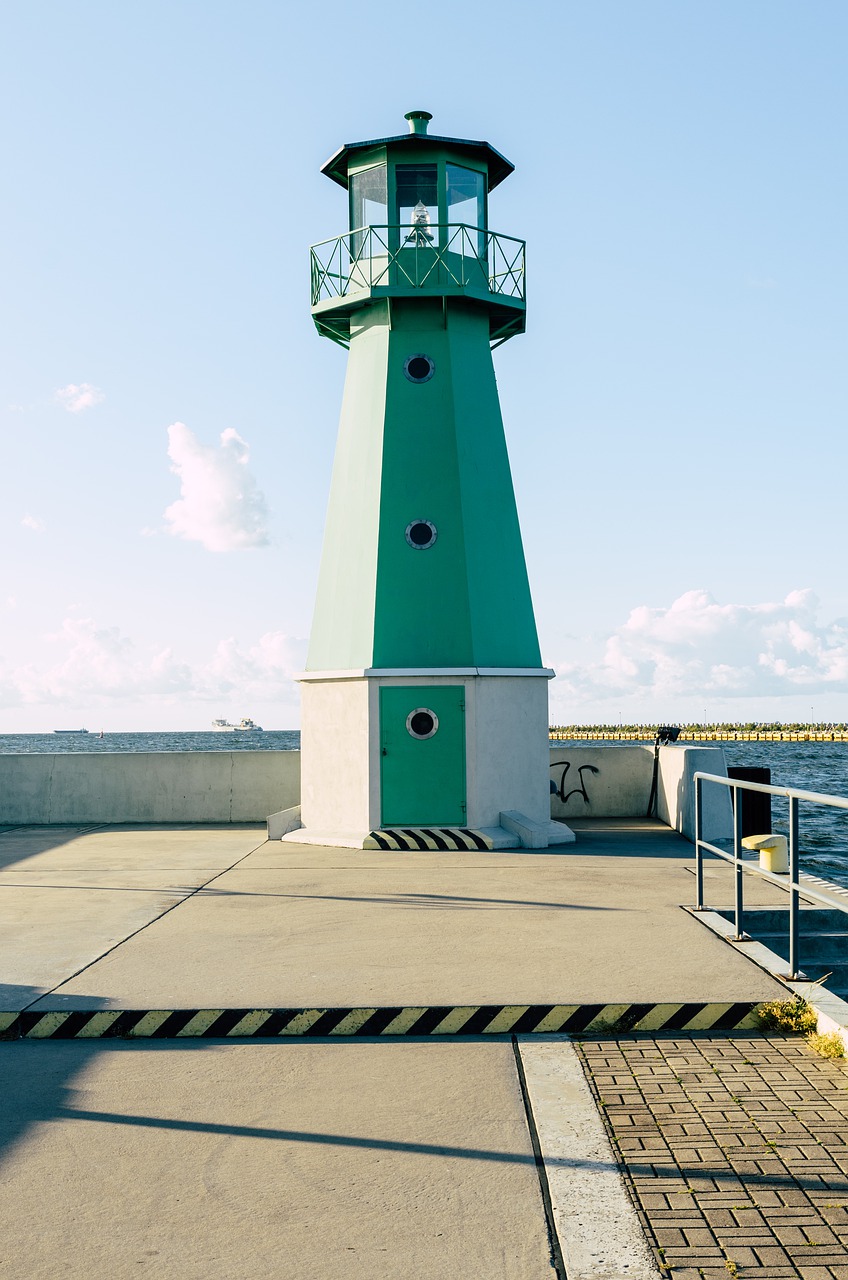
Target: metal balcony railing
(442, 256)
(792, 881)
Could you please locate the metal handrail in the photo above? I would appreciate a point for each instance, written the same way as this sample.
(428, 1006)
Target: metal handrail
(380, 256)
(796, 889)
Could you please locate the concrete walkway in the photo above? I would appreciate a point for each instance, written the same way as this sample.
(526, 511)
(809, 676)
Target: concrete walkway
(396, 1157)
(207, 1161)
(204, 918)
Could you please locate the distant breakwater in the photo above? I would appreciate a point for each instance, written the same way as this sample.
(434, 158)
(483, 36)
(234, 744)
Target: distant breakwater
(648, 733)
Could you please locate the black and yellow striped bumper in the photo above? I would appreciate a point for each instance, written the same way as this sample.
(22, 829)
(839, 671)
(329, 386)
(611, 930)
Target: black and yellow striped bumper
(411, 839)
(425, 1020)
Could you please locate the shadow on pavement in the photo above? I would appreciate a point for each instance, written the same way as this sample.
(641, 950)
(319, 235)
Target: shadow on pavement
(17, 844)
(441, 901)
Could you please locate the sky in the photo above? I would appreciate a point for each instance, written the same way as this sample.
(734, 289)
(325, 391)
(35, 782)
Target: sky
(675, 412)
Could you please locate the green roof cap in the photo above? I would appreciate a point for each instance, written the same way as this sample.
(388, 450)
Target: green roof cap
(498, 166)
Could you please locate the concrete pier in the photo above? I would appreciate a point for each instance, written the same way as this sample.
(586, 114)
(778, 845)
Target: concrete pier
(245, 1113)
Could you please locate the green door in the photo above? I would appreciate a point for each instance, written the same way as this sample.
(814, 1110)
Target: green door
(422, 740)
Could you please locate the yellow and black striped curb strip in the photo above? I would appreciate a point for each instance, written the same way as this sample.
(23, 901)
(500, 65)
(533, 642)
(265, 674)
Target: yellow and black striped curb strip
(424, 1020)
(410, 839)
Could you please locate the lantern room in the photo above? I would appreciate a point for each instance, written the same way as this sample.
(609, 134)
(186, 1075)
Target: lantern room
(418, 220)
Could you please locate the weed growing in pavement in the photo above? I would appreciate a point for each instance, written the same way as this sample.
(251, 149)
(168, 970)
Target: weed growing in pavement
(827, 1045)
(792, 1017)
(731, 1267)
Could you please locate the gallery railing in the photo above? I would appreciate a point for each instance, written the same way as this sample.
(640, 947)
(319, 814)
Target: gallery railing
(741, 867)
(440, 256)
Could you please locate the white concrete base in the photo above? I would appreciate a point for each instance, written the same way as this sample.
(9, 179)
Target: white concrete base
(517, 832)
(506, 746)
(327, 839)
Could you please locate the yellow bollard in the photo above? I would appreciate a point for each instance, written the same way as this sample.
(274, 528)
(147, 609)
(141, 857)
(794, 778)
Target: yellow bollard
(773, 850)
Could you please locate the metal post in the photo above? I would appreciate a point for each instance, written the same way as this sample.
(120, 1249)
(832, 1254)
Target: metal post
(794, 900)
(699, 853)
(737, 863)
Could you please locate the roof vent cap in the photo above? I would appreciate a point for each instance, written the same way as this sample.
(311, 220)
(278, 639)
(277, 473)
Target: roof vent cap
(418, 121)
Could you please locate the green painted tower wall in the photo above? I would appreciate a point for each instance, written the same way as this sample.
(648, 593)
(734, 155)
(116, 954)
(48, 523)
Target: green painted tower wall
(430, 451)
(342, 636)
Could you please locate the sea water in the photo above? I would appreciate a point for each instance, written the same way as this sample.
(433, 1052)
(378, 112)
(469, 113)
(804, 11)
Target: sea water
(53, 743)
(811, 766)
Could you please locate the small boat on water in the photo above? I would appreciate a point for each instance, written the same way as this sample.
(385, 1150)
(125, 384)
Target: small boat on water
(245, 725)
(70, 731)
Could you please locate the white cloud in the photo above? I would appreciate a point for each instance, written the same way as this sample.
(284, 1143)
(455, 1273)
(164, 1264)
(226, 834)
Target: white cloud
(33, 522)
(78, 396)
(220, 505)
(697, 646)
(95, 666)
(264, 669)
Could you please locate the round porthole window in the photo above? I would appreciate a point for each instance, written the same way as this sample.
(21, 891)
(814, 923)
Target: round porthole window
(421, 534)
(419, 368)
(422, 722)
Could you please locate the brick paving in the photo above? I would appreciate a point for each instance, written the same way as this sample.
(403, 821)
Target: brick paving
(735, 1150)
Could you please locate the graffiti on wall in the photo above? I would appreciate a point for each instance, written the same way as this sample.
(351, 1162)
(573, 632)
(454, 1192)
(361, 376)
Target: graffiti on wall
(580, 789)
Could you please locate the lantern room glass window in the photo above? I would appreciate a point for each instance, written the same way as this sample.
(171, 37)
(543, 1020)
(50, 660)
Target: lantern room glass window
(368, 200)
(466, 191)
(417, 205)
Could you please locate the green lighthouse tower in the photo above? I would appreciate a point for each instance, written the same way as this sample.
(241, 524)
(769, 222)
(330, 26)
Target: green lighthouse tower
(424, 700)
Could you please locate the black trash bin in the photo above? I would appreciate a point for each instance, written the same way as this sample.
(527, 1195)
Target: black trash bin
(756, 806)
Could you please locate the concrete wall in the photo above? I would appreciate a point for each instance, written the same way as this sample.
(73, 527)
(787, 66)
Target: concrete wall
(676, 798)
(247, 786)
(615, 782)
(600, 782)
(155, 786)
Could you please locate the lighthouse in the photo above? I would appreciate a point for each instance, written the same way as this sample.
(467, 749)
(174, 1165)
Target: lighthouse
(424, 701)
